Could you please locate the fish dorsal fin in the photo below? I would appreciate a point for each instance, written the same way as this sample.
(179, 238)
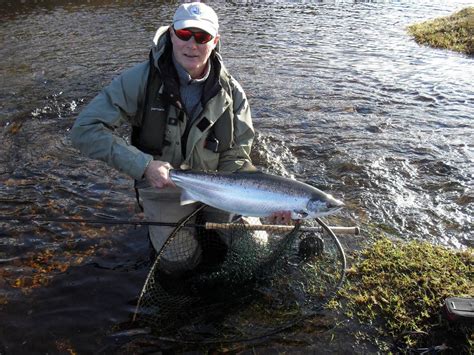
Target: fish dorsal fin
(253, 172)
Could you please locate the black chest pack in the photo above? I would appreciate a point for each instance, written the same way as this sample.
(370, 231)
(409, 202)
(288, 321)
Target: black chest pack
(153, 115)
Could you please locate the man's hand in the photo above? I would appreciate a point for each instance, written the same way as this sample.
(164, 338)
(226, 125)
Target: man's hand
(157, 174)
(281, 217)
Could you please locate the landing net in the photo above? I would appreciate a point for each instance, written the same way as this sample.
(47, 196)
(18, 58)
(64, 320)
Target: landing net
(242, 284)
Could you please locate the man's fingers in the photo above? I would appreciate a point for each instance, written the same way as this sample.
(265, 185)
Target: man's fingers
(157, 174)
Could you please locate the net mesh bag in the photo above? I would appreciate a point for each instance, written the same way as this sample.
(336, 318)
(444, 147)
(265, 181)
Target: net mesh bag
(238, 281)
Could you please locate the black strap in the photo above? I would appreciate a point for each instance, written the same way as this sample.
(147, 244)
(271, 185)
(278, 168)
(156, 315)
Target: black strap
(149, 137)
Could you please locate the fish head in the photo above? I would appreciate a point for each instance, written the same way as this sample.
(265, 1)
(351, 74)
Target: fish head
(323, 205)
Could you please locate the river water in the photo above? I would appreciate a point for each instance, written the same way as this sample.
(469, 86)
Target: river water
(341, 97)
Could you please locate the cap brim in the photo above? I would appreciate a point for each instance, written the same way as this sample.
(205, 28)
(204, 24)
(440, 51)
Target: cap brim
(179, 25)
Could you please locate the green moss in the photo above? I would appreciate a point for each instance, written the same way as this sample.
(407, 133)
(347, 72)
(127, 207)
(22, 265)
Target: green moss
(400, 287)
(455, 32)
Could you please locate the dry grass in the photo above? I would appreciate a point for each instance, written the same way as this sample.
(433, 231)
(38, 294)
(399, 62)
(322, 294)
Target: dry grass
(399, 287)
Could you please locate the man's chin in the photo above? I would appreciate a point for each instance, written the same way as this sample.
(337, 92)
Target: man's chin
(192, 65)
(193, 61)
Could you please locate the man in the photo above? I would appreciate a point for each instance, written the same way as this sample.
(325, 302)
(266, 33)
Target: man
(186, 111)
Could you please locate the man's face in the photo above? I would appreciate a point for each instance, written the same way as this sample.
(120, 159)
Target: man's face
(191, 55)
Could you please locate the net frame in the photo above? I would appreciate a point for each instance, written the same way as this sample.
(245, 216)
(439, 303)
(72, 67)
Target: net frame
(196, 321)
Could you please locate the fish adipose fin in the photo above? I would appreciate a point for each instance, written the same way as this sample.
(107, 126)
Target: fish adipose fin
(187, 199)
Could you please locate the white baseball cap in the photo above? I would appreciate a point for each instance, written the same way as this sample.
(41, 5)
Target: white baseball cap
(198, 15)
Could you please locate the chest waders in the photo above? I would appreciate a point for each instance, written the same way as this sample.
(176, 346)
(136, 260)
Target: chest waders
(153, 116)
(162, 92)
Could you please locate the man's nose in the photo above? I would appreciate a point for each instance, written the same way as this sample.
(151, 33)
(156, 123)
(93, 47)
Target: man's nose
(192, 42)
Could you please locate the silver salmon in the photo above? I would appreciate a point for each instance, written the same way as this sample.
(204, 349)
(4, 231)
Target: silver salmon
(254, 194)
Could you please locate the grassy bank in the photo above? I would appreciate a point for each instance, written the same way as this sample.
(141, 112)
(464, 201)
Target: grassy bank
(399, 288)
(455, 32)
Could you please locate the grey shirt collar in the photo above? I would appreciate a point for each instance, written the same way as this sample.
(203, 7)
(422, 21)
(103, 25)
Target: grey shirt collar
(185, 78)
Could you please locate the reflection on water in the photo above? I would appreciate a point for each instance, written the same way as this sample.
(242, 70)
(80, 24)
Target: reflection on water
(341, 98)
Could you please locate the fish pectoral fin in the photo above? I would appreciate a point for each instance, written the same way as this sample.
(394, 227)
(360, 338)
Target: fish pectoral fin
(299, 214)
(186, 199)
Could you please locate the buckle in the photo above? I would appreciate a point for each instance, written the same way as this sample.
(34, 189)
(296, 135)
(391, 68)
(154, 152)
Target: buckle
(212, 144)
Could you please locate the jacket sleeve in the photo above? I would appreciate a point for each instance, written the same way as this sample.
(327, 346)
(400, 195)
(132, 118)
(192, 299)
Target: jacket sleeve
(94, 133)
(237, 157)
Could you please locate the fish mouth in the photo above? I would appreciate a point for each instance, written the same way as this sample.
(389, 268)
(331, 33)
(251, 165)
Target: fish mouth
(335, 204)
(329, 212)
(324, 207)
(332, 203)
(335, 209)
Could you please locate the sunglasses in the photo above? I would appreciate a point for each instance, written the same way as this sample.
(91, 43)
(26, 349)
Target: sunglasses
(200, 37)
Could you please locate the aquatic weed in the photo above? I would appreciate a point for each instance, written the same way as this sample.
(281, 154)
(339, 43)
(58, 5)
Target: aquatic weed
(400, 287)
(455, 32)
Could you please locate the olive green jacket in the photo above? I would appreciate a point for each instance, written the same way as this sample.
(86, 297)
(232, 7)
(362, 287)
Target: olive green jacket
(119, 103)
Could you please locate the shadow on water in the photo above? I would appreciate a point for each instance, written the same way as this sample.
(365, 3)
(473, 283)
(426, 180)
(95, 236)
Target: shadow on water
(59, 300)
(343, 100)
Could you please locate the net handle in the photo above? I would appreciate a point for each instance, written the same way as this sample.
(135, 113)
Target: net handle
(280, 228)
